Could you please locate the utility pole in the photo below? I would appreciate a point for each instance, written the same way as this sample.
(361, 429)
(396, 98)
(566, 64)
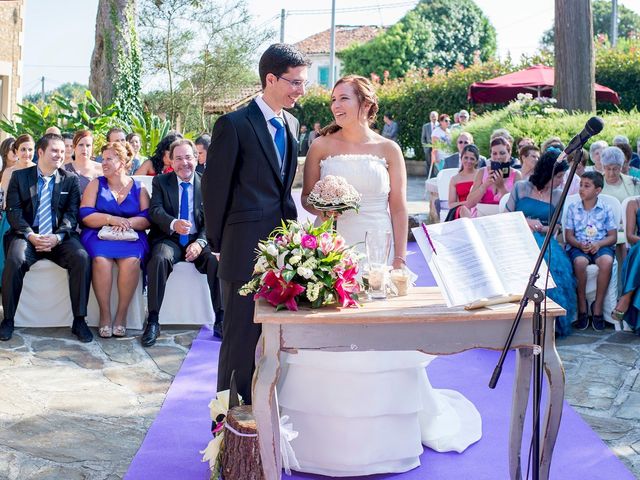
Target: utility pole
(42, 81)
(614, 22)
(282, 16)
(332, 48)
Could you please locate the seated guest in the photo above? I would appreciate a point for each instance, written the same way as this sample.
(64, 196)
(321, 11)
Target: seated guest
(495, 181)
(115, 200)
(68, 147)
(202, 144)
(133, 139)
(504, 133)
(23, 149)
(529, 156)
(460, 185)
(532, 198)
(115, 134)
(582, 157)
(7, 155)
(616, 183)
(453, 161)
(524, 141)
(42, 207)
(178, 234)
(554, 142)
(159, 162)
(628, 305)
(595, 152)
(82, 165)
(591, 234)
(628, 153)
(619, 141)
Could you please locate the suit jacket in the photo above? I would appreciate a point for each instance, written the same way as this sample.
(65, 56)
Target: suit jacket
(453, 161)
(245, 197)
(23, 202)
(164, 208)
(425, 136)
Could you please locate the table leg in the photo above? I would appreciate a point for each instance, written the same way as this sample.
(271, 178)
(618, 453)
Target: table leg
(553, 413)
(521, 388)
(265, 408)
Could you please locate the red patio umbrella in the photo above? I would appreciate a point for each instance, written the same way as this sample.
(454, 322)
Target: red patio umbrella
(537, 80)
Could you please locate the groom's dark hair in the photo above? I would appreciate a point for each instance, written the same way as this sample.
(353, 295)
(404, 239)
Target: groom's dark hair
(278, 59)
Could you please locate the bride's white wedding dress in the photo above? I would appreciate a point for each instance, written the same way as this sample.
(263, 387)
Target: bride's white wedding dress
(361, 413)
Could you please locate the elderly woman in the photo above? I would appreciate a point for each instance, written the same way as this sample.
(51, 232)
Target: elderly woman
(82, 165)
(616, 183)
(532, 197)
(595, 152)
(529, 156)
(116, 201)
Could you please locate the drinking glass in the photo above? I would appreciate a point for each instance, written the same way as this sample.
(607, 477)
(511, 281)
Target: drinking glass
(378, 245)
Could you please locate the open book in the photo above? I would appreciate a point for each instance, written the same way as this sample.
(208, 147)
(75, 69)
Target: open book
(481, 261)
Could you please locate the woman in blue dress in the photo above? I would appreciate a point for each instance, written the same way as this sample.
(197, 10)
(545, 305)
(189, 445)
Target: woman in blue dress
(628, 305)
(115, 200)
(532, 198)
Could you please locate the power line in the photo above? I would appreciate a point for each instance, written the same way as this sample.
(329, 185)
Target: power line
(363, 8)
(55, 66)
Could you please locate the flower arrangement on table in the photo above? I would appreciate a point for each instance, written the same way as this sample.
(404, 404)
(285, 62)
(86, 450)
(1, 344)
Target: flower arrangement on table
(334, 193)
(302, 263)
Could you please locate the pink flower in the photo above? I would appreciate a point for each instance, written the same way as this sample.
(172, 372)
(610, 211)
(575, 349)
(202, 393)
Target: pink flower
(338, 243)
(346, 285)
(277, 291)
(326, 243)
(309, 241)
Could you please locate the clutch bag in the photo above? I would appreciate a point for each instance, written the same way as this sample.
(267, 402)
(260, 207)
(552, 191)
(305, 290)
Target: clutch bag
(108, 233)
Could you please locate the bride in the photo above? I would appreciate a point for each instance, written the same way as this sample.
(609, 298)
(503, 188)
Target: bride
(361, 413)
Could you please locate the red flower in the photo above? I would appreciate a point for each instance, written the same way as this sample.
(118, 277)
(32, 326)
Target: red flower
(309, 241)
(277, 291)
(346, 284)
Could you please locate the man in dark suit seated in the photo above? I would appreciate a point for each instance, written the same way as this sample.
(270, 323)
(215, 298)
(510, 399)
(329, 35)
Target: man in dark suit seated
(177, 234)
(42, 209)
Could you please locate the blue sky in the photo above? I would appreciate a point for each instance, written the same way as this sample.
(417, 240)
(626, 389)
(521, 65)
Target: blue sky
(59, 40)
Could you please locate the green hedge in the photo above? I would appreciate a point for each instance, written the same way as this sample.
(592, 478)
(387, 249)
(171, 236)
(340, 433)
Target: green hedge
(619, 69)
(411, 99)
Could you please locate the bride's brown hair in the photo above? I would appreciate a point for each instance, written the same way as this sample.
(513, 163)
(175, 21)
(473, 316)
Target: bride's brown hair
(366, 94)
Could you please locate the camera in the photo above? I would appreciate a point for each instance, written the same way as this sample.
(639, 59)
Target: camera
(501, 167)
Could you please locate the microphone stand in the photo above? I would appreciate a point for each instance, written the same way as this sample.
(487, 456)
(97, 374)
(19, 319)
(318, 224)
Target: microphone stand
(537, 296)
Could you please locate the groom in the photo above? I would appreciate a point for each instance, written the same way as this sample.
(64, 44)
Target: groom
(246, 191)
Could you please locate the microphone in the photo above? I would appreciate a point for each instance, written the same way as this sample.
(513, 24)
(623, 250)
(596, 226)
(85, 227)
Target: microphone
(593, 126)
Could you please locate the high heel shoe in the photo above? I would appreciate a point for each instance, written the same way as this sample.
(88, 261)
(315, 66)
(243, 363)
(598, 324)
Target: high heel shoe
(119, 331)
(105, 331)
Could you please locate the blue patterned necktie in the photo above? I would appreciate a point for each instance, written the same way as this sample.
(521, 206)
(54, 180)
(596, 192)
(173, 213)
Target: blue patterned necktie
(44, 208)
(279, 140)
(184, 209)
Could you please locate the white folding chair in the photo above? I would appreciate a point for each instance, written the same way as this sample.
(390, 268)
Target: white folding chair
(146, 180)
(502, 206)
(443, 180)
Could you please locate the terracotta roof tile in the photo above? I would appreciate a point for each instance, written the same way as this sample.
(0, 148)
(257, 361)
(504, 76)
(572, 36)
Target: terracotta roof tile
(232, 100)
(346, 35)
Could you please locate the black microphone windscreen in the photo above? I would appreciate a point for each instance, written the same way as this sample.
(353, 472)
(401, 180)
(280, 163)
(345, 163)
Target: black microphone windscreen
(594, 126)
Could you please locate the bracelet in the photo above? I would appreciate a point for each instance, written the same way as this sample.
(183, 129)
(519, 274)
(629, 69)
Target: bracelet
(402, 259)
(108, 219)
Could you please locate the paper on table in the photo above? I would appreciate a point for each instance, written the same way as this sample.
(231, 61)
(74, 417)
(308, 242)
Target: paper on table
(470, 274)
(514, 251)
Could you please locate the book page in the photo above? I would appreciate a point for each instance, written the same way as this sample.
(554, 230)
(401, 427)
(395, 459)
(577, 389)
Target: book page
(461, 266)
(513, 250)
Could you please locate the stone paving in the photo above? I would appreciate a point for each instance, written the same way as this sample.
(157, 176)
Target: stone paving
(80, 411)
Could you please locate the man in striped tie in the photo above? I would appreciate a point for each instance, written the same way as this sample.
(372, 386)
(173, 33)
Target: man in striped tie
(42, 209)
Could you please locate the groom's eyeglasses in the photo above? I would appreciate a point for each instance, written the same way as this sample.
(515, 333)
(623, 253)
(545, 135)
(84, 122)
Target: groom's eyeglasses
(294, 83)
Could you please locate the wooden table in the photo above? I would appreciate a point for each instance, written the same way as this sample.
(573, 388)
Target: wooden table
(419, 321)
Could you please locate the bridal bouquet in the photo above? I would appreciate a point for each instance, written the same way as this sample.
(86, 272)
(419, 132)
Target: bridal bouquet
(300, 263)
(333, 193)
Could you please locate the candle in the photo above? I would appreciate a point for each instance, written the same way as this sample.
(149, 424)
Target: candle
(376, 279)
(400, 279)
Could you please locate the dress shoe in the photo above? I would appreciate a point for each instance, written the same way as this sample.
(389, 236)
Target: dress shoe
(151, 332)
(6, 330)
(81, 330)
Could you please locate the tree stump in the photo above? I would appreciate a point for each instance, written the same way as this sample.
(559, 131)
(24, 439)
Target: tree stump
(241, 455)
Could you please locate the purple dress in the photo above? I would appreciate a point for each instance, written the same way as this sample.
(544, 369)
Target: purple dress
(106, 203)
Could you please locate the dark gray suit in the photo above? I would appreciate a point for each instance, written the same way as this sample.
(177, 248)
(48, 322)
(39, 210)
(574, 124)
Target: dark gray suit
(245, 198)
(425, 137)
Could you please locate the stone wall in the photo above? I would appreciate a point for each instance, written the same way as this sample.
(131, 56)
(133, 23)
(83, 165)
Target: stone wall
(11, 33)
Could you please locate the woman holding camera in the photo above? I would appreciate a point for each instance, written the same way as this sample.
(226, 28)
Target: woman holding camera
(493, 182)
(536, 198)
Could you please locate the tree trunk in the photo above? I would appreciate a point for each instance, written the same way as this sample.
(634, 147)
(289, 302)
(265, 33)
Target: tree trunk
(241, 455)
(114, 40)
(574, 56)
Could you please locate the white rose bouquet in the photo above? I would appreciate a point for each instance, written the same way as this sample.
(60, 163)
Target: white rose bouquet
(334, 193)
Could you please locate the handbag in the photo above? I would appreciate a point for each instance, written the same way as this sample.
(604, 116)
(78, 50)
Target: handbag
(108, 233)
